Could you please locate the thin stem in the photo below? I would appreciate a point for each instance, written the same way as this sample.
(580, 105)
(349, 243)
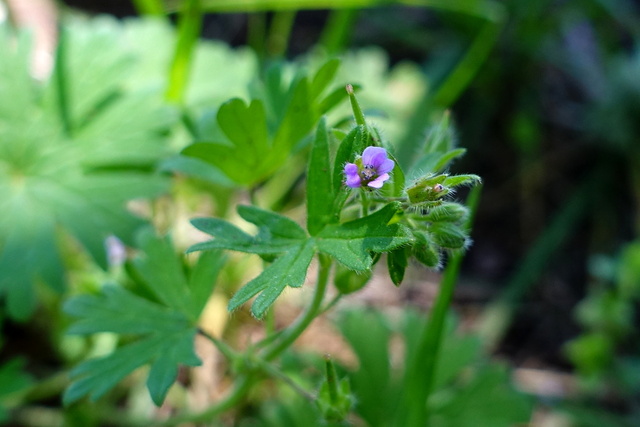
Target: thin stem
(241, 387)
(189, 25)
(279, 375)
(338, 29)
(270, 322)
(280, 32)
(366, 202)
(355, 106)
(256, 32)
(332, 303)
(420, 373)
(62, 90)
(149, 7)
(292, 333)
(227, 351)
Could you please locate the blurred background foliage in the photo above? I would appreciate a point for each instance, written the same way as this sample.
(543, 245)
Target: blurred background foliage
(545, 97)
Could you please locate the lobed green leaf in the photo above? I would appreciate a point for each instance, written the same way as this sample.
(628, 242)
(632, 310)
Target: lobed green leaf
(353, 242)
(288, 270)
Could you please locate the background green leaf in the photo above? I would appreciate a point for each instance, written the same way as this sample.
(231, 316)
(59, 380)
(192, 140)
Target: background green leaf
(320, 195)
(164, 330)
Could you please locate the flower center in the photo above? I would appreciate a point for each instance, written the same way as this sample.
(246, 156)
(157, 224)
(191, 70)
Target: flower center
(368, 172)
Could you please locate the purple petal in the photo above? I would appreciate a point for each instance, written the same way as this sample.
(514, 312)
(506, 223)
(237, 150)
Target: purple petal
(386, 166)
(374, 156)
(353, 177)
(351, 169)
(379, 181)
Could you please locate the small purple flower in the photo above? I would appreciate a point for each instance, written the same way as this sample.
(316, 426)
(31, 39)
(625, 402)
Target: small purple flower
(372, 169)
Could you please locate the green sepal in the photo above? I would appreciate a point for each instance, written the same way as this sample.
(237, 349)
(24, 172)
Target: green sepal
(424, 250)
(448, 235)
(447, 212)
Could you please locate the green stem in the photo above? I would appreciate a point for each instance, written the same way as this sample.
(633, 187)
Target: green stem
(355, 106)
(256, 33)
(332, 303)
(241, 387)
(366, 202)
(420, 373)
(292, 333)
(271, 370)
(62, 91)
(189, 25)
(338, 29)
(149, 7)
(280, 33)
(226, 351)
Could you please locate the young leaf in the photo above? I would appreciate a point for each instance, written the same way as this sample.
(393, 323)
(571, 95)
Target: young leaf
(276, 235)
(351, 243)
(245, 126)
(320, 195)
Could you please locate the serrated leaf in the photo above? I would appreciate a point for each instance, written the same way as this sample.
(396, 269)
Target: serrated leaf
(117, 310)
(164, 369)
(96, 377)
(162, 271)
(202, 279)
(271, 226)
(353, 242)
(320, 195)
(276, 233)
(288, 270)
